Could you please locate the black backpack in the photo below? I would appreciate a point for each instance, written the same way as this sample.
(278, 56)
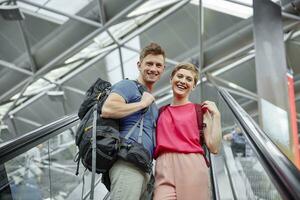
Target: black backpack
(107, 130)
(98, 139)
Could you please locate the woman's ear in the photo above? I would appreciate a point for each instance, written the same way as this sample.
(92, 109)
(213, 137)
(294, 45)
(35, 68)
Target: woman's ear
(194, 87)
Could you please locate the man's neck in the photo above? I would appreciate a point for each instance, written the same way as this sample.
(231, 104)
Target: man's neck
(148, 86)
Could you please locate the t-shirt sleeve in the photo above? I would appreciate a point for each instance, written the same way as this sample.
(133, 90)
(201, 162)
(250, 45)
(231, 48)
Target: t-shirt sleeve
(125, 88)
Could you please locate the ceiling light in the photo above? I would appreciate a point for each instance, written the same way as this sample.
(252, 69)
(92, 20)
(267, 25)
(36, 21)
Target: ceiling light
(150, 6)
(238, 8)
(226, 7)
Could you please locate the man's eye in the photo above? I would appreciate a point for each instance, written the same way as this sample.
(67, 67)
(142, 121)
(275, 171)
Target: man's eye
(189, 79)
(179, 75)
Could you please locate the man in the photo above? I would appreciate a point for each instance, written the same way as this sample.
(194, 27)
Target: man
(127, 104)
(238, 141)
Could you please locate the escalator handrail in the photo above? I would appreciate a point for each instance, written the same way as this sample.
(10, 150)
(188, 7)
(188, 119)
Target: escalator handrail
(21, 144)
(284, 174)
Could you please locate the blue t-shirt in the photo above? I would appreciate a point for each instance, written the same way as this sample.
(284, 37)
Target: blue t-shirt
(128, 89)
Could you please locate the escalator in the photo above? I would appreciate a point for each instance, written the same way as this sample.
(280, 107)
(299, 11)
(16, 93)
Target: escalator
(39, 164)
(257, 171)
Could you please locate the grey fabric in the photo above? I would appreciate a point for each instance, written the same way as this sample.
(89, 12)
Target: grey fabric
(127, 181)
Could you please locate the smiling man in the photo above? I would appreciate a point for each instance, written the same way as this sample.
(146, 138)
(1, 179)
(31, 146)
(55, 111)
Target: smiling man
(126, 103)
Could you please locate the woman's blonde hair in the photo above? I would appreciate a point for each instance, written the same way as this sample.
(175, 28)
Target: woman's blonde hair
(187, 66)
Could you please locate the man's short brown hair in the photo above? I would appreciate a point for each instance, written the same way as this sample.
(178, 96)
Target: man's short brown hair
(152, 48)
(189, 67)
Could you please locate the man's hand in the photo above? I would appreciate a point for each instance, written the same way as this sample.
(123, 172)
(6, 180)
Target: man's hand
(227, 137)
(147, 99)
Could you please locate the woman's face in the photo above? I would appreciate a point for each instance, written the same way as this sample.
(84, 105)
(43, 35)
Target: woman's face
(182, 83)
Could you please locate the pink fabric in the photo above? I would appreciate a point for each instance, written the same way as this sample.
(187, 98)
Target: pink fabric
(181, 176)
(177, 130)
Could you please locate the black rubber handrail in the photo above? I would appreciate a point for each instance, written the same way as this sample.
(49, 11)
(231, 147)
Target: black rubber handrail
(283, 173)
(19, 145)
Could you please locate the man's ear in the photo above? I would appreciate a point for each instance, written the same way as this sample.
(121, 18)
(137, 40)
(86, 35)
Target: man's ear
(138, 65)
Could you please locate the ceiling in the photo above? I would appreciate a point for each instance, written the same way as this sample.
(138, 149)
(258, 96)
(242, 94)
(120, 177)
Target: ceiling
(68, 53)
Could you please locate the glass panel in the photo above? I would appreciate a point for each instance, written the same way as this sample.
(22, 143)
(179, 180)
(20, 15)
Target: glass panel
(47, 171)
(27, 175)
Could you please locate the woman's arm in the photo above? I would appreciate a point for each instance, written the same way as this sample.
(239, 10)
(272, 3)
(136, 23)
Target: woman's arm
(212, 132)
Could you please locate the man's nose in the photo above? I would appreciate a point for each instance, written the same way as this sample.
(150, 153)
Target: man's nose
(153, 67)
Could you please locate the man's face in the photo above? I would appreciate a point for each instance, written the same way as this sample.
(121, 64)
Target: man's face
(151, 68)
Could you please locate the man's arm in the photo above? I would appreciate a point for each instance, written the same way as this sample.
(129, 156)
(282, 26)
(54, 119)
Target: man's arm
(116, 107)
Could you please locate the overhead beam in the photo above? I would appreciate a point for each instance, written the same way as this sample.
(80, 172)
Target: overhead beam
(201, 50)
(168, 60)
(241, 94)
(42, 16)
(74, 17)
(241, 50)
(126, 39)
(27, 47)
(76, 90)
(28, 121)
(15, 68)
(290, 16)
(75, 48)
(101, 11)
(283, 13)
(88, 64)
(234, 86)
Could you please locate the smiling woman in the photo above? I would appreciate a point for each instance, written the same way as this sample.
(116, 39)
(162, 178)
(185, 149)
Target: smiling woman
(179, 149)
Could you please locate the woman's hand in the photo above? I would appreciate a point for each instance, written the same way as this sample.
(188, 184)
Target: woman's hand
(211, 107)
(212, 132)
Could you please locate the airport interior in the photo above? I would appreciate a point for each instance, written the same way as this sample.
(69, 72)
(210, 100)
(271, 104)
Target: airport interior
(248, 55)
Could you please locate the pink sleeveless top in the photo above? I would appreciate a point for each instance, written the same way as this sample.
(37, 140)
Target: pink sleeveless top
(177, 130)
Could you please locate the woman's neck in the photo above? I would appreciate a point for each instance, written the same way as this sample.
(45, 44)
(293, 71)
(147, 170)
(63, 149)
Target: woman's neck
(176, 101)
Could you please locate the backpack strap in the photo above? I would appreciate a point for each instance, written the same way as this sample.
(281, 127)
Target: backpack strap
(141, 122)
(163, 108)
(199, 114)
(141, 89)
(94, 151)
(201, 126)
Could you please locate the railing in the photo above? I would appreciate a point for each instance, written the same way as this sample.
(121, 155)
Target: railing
(283, 173)
(19, 145)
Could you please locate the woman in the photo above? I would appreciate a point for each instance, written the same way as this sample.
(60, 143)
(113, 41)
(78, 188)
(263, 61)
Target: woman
(181, 172)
